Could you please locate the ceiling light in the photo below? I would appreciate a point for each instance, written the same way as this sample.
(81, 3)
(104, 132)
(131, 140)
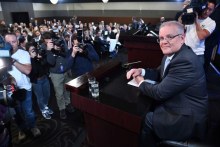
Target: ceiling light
(54, 1)
(104, 1)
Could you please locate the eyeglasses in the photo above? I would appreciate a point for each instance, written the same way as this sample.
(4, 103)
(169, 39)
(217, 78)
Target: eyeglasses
(167, 38)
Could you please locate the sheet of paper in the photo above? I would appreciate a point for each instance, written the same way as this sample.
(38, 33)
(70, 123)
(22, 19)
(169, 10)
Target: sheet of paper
(134, 83)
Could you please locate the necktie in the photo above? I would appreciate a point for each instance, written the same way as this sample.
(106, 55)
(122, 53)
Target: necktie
(167, 61)
(69, 44)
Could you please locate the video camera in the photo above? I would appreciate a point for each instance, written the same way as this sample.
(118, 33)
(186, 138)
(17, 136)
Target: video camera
(189, 12)
(83, 47)
(39, 48)
(5, 58)
(8, 92)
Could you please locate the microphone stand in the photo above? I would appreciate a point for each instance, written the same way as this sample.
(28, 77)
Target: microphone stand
(127, 65)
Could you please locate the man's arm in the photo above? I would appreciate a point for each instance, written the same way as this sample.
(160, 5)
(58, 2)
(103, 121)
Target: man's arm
(201, 33)
(24, 68)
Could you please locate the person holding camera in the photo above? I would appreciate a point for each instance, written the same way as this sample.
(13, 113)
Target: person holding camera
(56, 55)
(21, 68)
(83, 57)
(39, 80)
(197, 32)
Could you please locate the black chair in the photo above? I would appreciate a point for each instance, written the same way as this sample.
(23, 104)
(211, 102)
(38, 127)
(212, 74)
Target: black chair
(102, 53)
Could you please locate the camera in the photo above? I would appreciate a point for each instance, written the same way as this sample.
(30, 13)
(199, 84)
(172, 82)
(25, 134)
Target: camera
(58, 42)
(39, 48)
(82, 46)
(84, 50)
(5, 58)
(189, 12)
(8, 94)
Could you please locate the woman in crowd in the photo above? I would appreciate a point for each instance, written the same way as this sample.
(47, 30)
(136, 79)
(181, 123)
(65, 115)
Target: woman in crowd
(39, 79)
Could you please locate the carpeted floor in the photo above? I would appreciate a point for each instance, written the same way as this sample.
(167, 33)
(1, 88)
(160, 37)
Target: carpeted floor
(54, 132)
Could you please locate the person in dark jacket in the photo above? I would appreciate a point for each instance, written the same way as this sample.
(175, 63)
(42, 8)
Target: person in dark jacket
(40, 81)
(180, 91)
(56, 55)
(83, 57)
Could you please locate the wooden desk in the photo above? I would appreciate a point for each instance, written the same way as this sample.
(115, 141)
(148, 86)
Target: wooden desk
(143, 48)
(114, 119)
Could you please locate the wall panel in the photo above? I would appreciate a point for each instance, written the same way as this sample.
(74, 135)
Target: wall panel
(111, 9)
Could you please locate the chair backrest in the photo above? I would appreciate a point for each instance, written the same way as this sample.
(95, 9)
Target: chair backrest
(97, 48)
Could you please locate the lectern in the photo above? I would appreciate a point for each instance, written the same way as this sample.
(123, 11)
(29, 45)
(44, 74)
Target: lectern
(144, 49)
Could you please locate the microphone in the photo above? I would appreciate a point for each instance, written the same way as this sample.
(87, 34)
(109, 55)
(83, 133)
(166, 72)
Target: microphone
(153, 33)
(136, 32)
(126, 65)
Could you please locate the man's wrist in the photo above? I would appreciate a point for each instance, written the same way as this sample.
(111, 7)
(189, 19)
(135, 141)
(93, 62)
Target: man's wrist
(13, 61)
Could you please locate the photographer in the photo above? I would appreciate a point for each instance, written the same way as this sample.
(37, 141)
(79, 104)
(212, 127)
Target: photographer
(25, 116)
(83, 57)
(202, 27)
(9, 99)
(56, 55)
(39, 79)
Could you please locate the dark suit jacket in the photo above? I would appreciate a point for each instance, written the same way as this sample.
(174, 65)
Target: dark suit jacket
(29, 38)
(104, 45)
(181, 91)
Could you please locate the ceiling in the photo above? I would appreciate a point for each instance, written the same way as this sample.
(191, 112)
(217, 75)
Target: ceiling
(87, 1)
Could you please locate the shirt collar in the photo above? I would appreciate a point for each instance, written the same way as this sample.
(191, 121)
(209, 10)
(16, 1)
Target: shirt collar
(170, 57)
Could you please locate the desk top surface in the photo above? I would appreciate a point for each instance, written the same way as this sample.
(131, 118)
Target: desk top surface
(115, 92)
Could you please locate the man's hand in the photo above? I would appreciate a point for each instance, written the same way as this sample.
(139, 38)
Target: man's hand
(33, 53)
(139, 79)
(50, 45)
(75, 50)
(134, 73)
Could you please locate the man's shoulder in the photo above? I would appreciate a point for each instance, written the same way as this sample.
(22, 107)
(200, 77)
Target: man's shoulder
(187, 51)
(21, 53)
(20, 50)
(208, 21)
(208, 24)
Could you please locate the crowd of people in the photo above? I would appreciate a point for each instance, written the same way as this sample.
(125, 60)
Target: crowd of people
(51, 54)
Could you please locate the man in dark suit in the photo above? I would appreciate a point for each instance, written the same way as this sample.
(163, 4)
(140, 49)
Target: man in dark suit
(180, 91)
(27, 37)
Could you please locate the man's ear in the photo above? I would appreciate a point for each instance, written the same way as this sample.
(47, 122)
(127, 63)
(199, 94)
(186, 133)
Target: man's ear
(183, 37)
